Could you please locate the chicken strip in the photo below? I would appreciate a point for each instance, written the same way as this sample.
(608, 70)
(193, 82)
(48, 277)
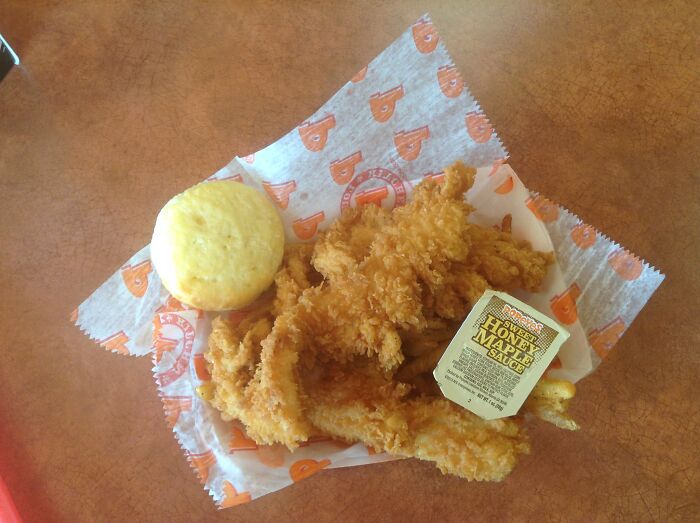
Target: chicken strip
(506, 263)
(361, 405)
(378, 279)
(347, 241)
(295, 275)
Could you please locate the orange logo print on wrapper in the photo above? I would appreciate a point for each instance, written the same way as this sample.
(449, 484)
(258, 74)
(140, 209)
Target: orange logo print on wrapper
(305, 228)
(542, 208)
(478, 127)
(374, 194)
(233, 178)
(200, 367)
(279, 192)
(359, 75)
(173, 406)
(202, 462)
(555, 364)
(172, 304)
(74, 315)
(435, 177)
(383, 105)
(240, 440)
(605, 338)
(232, 497)
(584, 236)
(182, 337)
(304, 468)
(116, 343)
(314, 135)
(408, 143)
(451, 83)
(272, 455)
(425, 36)
(506, 186)
(161, 344)
(626, 265)
(343, 170)
(497, 165)
(564, 305)
(136, 277)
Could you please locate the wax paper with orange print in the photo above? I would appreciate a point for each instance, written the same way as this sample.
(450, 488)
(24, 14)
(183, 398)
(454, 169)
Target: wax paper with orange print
(399, 120)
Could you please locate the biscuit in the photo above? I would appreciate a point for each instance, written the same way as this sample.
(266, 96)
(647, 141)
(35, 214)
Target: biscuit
(217, 245)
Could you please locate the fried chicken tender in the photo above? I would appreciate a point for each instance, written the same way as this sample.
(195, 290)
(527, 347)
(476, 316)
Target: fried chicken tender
(507, 264)
(294, 277)
(374, 263)
(347, 242)
(377, 287)
(362, 405)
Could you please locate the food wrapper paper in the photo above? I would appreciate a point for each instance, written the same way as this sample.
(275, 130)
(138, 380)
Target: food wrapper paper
(401, 119)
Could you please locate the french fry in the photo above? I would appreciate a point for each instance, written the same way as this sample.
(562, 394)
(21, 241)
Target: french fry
(552, 389)
(507, 223)
(424, 363)
(549, 401)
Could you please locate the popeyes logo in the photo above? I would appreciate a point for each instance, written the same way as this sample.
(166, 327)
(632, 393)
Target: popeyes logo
(359, 75)
(201, 462)
(605, 338)
(382, 105)
(478, 127)
(173, 406)
(305, 228)
(343, 170)
(172, 332)
(408, 143)
(451, 82)
(424, 36)
(374, 186)
(136, 277)
(314, 135)
(564, 305)
(279, 192)
(438, 177)
(626, 265)
(172, 304)
(116, 343)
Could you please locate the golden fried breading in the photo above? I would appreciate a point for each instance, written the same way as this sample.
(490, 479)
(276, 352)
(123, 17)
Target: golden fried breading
(294, 276)
(361, 405)
(376, 288)
(506, 263)
(347, 241)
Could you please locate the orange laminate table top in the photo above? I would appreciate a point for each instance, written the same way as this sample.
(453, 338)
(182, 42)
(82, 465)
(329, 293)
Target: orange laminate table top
(121, 104)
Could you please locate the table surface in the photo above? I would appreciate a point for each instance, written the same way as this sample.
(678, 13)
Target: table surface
(121, 104)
